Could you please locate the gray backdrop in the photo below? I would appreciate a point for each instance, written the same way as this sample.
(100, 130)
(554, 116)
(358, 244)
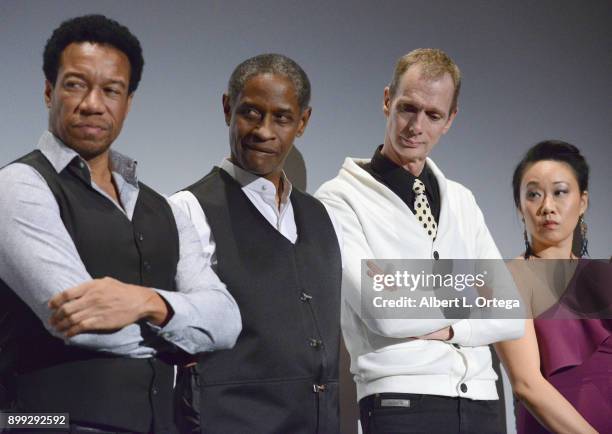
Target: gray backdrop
(532, 70)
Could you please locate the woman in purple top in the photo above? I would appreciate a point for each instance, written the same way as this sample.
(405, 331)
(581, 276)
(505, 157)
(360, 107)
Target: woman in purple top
(561, 370)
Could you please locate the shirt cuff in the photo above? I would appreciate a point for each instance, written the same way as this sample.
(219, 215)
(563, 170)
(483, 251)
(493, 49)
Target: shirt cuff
(175, 329)
(462, 332)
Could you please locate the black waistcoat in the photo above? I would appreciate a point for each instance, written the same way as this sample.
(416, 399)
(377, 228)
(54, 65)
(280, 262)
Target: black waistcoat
(94, 387)
(282, 375)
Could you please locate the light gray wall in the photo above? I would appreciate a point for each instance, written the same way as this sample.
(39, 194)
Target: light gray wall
(532, 70)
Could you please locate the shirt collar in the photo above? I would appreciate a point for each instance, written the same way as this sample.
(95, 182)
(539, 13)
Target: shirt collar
(255, 183)
(395, 174)
(60, 156)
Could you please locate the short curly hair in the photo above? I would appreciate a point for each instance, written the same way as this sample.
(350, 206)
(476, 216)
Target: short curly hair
(96, 29)
(270, 64)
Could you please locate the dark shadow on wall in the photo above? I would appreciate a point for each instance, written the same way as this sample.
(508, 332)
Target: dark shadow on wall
(295, 169)
(349, 410)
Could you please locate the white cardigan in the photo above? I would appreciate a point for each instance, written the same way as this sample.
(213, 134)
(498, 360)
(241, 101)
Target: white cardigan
(377, 224)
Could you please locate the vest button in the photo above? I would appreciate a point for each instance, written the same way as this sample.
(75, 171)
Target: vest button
(305, 297)
(140, 237)
(314, 343)
(463, 387)
(436, 255)
(316, 388)
(146, 265)
(154, 391)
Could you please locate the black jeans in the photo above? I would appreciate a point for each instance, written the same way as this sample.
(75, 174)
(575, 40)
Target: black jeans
(403, 413)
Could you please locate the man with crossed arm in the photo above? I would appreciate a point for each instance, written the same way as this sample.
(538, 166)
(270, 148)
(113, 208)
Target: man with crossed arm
(415, 376)
(103, 282)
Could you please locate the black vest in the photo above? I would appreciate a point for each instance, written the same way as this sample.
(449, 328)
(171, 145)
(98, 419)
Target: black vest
(95, 387)
(282, 375)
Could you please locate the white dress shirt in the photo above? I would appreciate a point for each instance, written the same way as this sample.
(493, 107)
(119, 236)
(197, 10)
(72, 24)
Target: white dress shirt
(262, 194)
(38, 259)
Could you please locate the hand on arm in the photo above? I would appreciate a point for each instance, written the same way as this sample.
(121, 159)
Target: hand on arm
(105, 305)
(444, 334)
(521, 358)
(477, 332)
(38, 258)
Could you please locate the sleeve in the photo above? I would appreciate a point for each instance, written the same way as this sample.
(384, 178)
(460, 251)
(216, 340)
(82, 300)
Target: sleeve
(356, 248)
(206, 316)
(189, 205)
(38, 258)
(476, 332)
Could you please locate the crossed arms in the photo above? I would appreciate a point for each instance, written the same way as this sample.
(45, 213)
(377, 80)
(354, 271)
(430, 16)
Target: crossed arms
(39, 260)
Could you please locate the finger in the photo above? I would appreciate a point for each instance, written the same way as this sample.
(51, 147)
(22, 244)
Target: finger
(72, 320)
(86, 325)
(440, 335)
(428, 335)
(69, 294)
(70, 308)
(372, 266)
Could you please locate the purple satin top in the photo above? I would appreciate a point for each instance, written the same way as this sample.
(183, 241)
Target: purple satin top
(575, 344)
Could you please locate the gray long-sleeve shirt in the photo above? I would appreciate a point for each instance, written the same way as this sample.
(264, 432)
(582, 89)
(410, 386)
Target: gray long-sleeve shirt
(38, 259)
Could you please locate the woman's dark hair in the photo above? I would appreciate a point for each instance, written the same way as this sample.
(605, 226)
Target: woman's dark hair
(555, 150)
(96, 29)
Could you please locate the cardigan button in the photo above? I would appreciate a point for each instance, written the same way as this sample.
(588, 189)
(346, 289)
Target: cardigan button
(463, 387)
(436, 255)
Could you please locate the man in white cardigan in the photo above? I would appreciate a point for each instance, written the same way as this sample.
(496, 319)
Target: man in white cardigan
(399, 205)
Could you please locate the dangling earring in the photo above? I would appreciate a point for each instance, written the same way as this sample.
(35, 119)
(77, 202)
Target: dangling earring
(583, 234)
(526, 238)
